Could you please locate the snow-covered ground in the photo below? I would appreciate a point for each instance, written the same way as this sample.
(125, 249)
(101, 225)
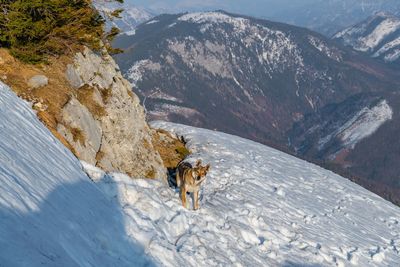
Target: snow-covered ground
(51, 214)
(259, 207)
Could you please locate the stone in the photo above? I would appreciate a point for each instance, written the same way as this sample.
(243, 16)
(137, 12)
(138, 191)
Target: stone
(38, 81)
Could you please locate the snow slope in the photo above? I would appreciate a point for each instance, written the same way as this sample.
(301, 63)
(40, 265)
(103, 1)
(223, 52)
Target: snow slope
(51, 214)
(259, 207)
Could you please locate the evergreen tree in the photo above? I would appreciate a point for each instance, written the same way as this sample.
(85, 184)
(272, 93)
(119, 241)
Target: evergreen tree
(35, 29)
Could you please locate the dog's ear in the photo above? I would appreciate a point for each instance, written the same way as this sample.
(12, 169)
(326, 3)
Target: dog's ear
(198, 163)
(207, 167)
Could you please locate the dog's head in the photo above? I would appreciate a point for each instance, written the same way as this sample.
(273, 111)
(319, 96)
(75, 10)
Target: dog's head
(203, 170)
(199, 172)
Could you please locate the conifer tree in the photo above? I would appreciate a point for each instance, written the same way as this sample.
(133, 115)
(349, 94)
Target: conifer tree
(36, 29)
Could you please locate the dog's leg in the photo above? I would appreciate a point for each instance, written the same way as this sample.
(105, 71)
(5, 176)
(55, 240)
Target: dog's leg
(178, 179)
(183, 197)
(196, 200)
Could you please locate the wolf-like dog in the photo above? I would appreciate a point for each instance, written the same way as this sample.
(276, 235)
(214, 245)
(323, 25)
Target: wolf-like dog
(189, 179)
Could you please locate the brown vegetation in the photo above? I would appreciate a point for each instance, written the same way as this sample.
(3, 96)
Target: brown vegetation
(85, 96)
(77, 135)
(151, 174)
(171, 149)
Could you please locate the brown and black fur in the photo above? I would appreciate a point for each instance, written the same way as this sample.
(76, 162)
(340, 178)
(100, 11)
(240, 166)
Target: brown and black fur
(189, 179)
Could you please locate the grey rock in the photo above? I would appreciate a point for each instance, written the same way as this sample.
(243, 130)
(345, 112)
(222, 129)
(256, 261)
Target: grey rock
(77, 116)
(38, 81)
(72, 77)
(119, 141)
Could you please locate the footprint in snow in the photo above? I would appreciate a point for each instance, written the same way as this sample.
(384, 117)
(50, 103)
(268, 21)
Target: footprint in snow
(395, 244)
(309, 219)
(279, 191)
(377, 254)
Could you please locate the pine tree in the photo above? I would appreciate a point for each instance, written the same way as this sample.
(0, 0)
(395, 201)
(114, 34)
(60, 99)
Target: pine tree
(36, 29)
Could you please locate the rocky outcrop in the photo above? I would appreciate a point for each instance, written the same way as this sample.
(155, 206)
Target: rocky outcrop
(103, 120)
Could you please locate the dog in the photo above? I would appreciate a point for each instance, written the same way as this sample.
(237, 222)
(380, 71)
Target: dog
(189, 179)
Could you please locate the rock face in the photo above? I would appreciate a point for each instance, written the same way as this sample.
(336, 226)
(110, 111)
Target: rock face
(104, 121)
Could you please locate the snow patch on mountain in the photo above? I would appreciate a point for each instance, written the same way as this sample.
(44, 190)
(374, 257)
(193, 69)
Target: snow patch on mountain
(152, 22)
(324, 48)
(213, 17)
(135, 73)
(393, 56)
(377, 35)
(130, 33)
(390, 55)
(274, 47)
(365, 123)
(384, 29)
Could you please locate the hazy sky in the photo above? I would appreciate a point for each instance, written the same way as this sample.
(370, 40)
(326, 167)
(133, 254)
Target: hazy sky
(254, 7)
(325, 16)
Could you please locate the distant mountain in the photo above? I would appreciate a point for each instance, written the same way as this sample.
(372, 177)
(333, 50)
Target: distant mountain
(378, 36)
(324, 16)
(330, 16)
(130, 17)
(264, 81)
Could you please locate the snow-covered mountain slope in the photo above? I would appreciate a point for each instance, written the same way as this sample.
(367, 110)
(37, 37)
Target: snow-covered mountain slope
(378, 36)
(130, 17)
(51, 214)
(261, 207)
